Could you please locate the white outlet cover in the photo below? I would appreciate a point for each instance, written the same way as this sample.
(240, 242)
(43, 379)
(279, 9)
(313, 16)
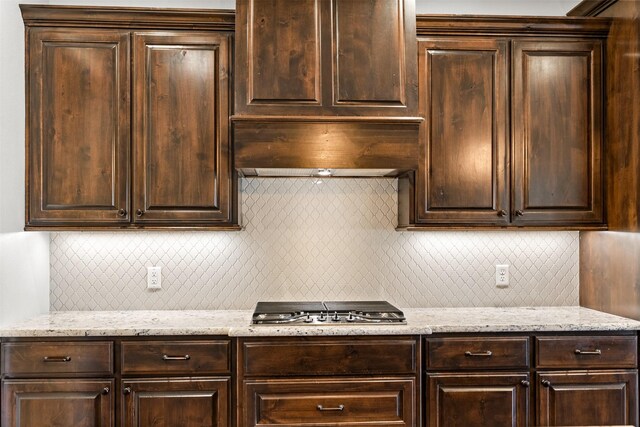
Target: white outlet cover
(502, 275)
(154, 278)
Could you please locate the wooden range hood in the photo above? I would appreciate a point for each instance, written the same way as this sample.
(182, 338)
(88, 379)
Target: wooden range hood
(326, 84)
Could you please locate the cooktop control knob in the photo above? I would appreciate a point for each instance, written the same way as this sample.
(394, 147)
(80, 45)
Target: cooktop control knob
(335, 317)
(351, 318)
(308, 319)
(322, 317)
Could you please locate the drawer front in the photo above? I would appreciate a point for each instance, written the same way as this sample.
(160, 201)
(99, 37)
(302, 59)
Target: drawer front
(478, 353)
(362, 402)
(175, 357)
(57, 358)
(329, 357)
(586, 352)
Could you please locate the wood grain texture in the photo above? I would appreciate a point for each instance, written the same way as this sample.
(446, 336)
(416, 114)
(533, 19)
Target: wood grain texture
(325, 58)
(557, 132)
(202, 402)
(477, 400)
(182, 150)
(463, 173)
(587, 398)
(364, 402)
(366, 143)
(51, 403)
(27, 359)
(128, 17)
(320, 356)
(477, 353)
(78, 126)
(201, 357)
(560, 352)
(610, 272)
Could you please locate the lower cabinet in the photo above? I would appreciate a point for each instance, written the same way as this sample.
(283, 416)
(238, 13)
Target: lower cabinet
(336, 402)
(328, 381)
(201, 402)
(57, 402)
(587, 398)
(478, 399)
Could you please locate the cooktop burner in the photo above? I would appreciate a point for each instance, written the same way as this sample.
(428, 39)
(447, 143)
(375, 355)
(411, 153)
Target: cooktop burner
(327, 313)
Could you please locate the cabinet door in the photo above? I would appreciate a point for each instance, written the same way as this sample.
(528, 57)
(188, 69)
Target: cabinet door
(182, 170)
(187, 402)
(482, 400)
(593, 398)
(463, 171)
(78, 126)
(50, 403)
(557, 132)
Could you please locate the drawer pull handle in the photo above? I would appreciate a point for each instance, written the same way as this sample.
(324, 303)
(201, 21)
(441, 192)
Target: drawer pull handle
(478, 353)
(185, 357)
(596, 352)
(337, 408)
(63, 359)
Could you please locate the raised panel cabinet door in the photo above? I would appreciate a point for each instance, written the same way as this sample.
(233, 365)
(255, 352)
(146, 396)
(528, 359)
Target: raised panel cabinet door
(463, 174)
(557, 132)
(279, 54)
(185, 402)
(587, 398)
(477, 400)
(53, 403)
(373, 49)
(78, 98)
(182, 171)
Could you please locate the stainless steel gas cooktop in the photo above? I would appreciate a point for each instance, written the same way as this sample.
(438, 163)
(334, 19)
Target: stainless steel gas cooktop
(327, 313)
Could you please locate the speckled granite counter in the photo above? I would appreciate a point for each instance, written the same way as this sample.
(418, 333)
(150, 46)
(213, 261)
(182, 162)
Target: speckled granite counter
(236, 323)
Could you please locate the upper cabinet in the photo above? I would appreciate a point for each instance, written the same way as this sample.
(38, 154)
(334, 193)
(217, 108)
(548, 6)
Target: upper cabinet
(513, 124)
(107, 150)
(326, 84)
(321, 57)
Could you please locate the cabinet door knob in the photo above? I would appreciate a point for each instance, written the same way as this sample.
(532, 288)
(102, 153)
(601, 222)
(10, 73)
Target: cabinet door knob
(105, 390)
(546, 383)
(525, 383)
(502, 213)
(127, 390)
(139, 213)
(122, 213)
(519, 213)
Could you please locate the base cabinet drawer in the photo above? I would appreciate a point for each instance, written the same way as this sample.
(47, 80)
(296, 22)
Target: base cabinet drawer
(340, 402)
(57, 402)
(477, 399)
(582, 352)
(587, 398)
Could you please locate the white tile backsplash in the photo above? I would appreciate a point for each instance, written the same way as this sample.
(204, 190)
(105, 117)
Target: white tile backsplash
(305, 239)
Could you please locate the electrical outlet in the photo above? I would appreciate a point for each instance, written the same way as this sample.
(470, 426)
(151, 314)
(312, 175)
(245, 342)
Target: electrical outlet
(502, 275)
(154, 277)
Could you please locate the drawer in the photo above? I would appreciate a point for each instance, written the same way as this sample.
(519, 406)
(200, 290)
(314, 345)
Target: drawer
(478, 353)
(329, 357)
(57, 358)
(175, 357)
(586, 352)
(362, 402)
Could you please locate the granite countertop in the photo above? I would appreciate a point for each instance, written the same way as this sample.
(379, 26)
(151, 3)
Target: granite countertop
(420, 321)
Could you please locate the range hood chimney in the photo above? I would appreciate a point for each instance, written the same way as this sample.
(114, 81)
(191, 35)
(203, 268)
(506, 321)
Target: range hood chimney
(325, 84)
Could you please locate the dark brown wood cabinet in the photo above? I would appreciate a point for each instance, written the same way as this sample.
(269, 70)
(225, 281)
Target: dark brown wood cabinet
(477, 399)
(201, 402)
(58, 402)
(78, 139)
(181, 382)
(513, 124)
(557, 132)
(463, 173)
(339, 381)
(581, 398)
(106, 150)
(319, 57)
(182, 169)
